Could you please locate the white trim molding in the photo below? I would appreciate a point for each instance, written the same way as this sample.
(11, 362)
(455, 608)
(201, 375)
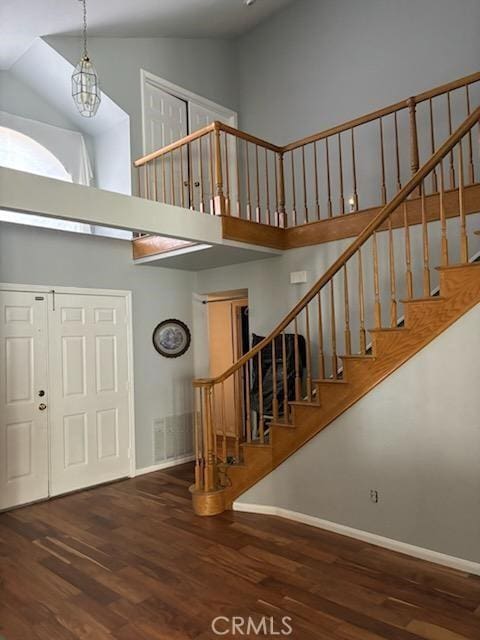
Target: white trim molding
(466, 566)
(164, 465)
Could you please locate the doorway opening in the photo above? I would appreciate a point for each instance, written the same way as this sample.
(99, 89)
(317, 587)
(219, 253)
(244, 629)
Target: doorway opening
(228, 331)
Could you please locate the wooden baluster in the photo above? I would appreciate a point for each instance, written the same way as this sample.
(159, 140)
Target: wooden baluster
(321, 352)
(280, 183)
(461, 208)
(258, 213)
(329, 184)
(376, 283)
(182, 179)
(227, 175)
(248, 408)
(224, 426)
(354, 170)
(333, 331)
(294, 195)
(219, 197)
(383, 187)
(172, 179)
(285, 378)
(147, 180)
(414, 155)
(274, 381)
(215, 422)
(426, 251)
(237, 167)
(200, 174)
(317, 197)
(304, 181)
(249, 200)
(191, 192)
(393, 279)
(340, 173)
(346, 310)
(443, 220)
(210, 466)
(261, 419)
(155, 185)
(450, 129)
(197, 422)
(408, 254)
(267, 189)
(164, 181)
(471, 169)
(298, 379)
(397, 151)
(361, 305)
(139, 182)
(432, 146)
(308, 354)
(211, 188)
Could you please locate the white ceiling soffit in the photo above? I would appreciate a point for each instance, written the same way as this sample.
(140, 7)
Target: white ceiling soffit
(48, 74)
(23, 20)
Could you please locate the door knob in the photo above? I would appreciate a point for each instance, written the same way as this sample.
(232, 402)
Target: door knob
(197, 184)
(185, 184)
(42, 407)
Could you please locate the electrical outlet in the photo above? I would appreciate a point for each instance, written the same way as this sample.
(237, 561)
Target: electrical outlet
(374, 496)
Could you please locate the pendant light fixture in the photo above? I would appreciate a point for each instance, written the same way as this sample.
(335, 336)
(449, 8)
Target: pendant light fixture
(85, 84)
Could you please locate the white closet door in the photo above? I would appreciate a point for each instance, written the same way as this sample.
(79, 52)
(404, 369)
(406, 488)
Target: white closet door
(200, 116)
(23, 398)
(165, 121)
(90, 391)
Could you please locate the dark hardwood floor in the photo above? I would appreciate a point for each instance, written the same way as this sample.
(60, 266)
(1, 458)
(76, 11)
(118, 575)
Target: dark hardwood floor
(130, 561)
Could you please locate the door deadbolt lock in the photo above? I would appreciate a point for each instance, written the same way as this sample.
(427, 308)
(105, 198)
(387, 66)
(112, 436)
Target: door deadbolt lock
(41, 393)
(197, 184)
(42, 406)
(185, 184)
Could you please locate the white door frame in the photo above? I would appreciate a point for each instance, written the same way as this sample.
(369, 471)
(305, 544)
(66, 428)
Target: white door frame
(183, 94)
(50, 291)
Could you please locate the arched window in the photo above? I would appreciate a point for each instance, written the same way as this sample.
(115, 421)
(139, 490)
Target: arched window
(20, 152)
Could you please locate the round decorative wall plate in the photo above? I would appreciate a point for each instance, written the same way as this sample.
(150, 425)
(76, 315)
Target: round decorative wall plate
(171, 338)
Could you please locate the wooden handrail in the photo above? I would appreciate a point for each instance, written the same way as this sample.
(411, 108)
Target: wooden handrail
(351, 124)
(177, 144)
(385, 111)
(341, 261)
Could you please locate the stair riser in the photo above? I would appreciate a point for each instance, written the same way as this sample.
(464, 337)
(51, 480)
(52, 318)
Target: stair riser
(386, 342)
(451, 280)
(331, 394)
(254, 453)
(358, 369)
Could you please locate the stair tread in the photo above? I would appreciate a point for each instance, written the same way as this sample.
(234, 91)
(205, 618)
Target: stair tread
(304, 403)
(257, 444)
(426, 299)
(330, 381)
(387, 329)
(282, 425)
(357, 356)
(462, 265)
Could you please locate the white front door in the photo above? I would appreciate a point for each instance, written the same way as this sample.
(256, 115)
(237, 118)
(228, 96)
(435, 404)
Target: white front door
(90, 391)
(23, 398)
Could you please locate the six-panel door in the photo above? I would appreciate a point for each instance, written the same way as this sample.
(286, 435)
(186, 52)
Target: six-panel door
(23, 398)
(89, 408)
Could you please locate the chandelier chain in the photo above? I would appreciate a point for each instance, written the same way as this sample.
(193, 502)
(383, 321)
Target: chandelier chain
(84, 3)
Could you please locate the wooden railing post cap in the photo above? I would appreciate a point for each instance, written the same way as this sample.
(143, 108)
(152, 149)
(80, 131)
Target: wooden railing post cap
(203, 382)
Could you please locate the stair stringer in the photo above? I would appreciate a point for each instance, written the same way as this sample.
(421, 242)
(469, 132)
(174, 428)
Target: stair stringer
(425, 319)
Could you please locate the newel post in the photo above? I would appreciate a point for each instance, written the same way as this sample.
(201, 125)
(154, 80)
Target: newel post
(281, 215)
(220, 205)
(414, 155)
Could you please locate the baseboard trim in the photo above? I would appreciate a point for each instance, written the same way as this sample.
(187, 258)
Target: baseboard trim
(466, 566)
(163, 465)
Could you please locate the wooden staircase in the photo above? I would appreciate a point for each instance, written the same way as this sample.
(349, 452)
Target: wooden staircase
(424, 320)
(292, 399)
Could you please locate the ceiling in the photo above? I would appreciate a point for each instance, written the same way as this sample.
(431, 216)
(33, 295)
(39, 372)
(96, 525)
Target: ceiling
(23, 20)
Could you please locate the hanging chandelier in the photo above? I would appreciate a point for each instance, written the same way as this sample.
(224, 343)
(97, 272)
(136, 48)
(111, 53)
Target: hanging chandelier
(85, 84)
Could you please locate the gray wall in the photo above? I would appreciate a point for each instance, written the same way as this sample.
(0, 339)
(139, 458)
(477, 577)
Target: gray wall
(415, 439)
(321, 63)
(162, 386)
(206, 67)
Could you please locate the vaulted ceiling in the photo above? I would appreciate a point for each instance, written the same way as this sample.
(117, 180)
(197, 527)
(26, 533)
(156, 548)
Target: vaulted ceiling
(23, 20)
